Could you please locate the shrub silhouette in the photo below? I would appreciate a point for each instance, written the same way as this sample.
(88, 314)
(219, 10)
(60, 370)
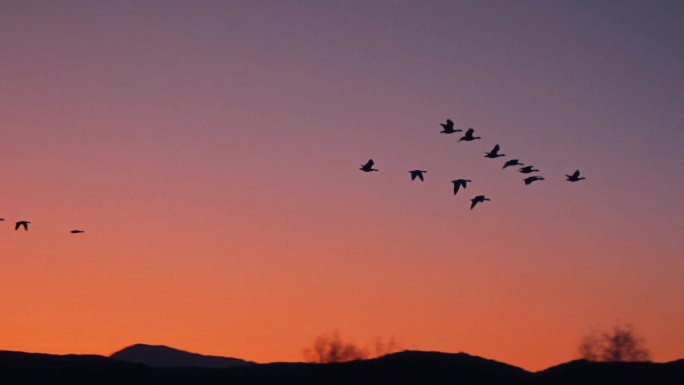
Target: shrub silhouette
(618, 344)
(328, 348)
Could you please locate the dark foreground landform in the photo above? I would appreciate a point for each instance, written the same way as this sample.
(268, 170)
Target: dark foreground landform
(409, 367)
(164, 357)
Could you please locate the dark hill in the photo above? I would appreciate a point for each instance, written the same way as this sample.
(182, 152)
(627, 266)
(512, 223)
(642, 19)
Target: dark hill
(410, 367)
(18, 368)
(163, 356)
(609, 373)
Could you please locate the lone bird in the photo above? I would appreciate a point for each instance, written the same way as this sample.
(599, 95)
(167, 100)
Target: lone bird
(20, 224)
(575, 177)
(77, 231)
(513, 162)
(417, 174)
(368, 167)
(448, 127)
(494, 153)
(527, 169)
(469, 135)
(478, 199)
(531, 179)
(2, 219)
(458, 183)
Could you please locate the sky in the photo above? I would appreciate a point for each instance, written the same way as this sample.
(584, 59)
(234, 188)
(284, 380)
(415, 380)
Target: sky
(211, 152)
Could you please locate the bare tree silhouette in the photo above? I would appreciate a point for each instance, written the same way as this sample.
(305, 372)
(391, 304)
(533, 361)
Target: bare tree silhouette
(328, 348)
(619, 344)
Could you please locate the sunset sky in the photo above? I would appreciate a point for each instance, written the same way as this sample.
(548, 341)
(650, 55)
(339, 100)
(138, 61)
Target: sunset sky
(210, 150)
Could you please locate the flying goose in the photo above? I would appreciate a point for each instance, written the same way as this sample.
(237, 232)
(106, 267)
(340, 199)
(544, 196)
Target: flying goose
(417, 174)
(527, 169)
(448, 127)
(469, 135)
(478, 199)
(575, 177)
(513, 162)
(494, 153)
(458, 183)
(531, 179)
(23, 224)
(368, 167)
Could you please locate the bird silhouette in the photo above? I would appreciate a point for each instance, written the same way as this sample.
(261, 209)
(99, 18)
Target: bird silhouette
(469, 135)
(23, 224)
(2, 219)
(527, 169)
(458, 183)
(478, 199)
(512, 162)
(417, 174)
(575, 177)
(531, 179)
(494, 153)
(368, 167)
(77, 231)
(448, 127)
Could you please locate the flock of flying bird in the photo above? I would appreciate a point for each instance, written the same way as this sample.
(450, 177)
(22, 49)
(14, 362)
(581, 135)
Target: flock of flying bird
(24, 224)
(448, 128)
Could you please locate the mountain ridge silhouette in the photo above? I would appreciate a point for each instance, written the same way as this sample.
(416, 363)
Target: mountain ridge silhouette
(164, 356)
(407, 367)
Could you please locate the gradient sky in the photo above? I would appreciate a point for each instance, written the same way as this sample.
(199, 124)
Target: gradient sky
(211, 151)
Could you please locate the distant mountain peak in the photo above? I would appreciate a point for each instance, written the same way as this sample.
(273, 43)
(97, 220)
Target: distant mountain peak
(164, 356)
